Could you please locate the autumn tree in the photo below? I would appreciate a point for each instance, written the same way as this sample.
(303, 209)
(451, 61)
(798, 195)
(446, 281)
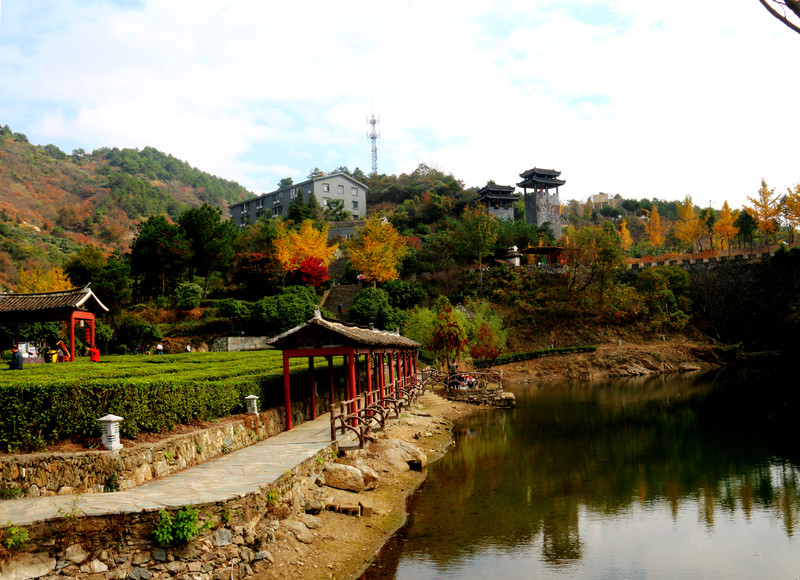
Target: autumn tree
(766, 209)
(448, 336)
(689, 227)
(41, 279)
(656, 227)
(790, 210)
(377, 250)
(625, 240)
(293, 248)
(596, 258)
(724, 227)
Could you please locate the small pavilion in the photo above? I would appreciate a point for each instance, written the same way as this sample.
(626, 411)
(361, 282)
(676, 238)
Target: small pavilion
(385, 353)
(76, 306)
(499, 200)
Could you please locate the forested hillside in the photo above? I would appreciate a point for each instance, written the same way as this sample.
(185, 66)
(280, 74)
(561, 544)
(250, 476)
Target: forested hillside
(51, 202)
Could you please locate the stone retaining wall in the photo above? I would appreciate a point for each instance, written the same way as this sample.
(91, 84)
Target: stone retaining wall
(489, 396)
(46, 474)
(238, 343)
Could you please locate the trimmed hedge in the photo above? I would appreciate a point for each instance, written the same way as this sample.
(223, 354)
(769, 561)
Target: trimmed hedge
(43, 404)
(521, 356)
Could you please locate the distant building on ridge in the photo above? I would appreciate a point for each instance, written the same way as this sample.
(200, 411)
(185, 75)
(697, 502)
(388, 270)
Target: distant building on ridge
(326, 188)
(499, 200)
(541, 206)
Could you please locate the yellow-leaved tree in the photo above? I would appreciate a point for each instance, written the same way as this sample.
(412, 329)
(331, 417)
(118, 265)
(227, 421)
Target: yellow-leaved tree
(293, 248)
(39, 279)
(791, 209)
(766, 209)
(655, 227)
(724, 228)
(377, 250)
(625, 240)
(689, 227)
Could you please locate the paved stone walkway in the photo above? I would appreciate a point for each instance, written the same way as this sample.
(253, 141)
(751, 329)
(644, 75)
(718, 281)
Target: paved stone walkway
(229, 476)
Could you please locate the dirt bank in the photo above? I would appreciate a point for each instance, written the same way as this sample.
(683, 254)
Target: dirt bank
(343, 545)
(617, 360)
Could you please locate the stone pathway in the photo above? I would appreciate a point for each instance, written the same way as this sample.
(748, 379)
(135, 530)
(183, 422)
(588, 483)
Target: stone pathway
(225, 477)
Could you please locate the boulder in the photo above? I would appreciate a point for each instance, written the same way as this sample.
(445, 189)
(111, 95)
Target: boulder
(346, 477)
(28, 566)
(403, 455)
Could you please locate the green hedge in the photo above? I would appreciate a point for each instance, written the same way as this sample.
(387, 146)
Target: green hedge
(521, 356)
(43, 404)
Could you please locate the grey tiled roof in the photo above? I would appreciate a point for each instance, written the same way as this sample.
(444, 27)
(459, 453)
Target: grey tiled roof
(75, 299)
(322, 332)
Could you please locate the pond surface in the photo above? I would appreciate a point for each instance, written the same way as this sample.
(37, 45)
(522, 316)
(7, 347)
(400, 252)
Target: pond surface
(666, 477)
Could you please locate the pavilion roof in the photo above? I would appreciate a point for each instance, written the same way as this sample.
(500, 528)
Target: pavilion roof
(542, 177)
(50, 302)
(320, 333)
(495, 189)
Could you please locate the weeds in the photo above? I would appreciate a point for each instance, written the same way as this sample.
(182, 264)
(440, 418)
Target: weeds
(180, 529)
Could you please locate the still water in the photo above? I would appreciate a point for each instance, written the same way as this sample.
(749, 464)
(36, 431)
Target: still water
(667, 477)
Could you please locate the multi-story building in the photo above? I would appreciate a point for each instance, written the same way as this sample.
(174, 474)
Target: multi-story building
(499, 200)
(542, 206)
(326, 188)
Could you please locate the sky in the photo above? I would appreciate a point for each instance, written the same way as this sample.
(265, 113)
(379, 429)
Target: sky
(641, 99)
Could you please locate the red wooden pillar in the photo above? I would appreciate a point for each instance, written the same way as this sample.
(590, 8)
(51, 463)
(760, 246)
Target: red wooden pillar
(391, 373)
(313, 387)
(287, 398)
(72, 337)
(358, 375)
(330, 381)
(369, 372)
(351, 374)
(381, 375)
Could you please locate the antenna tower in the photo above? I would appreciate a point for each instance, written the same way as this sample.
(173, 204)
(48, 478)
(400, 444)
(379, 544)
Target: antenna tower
(373, 136)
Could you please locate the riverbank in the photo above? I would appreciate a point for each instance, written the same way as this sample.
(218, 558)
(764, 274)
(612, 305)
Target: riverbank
(341, 546)
(621, 359)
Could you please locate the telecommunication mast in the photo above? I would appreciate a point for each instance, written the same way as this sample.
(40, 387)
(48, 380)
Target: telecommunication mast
(373, 136)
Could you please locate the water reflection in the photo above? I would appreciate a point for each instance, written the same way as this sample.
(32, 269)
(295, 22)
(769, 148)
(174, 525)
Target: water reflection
(560, 484)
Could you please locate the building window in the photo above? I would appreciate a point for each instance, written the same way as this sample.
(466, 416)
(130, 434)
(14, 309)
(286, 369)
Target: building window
(341, 189)
(354, 191)
(355, 204)
(326, 187)
(325, 201)
(293, 193)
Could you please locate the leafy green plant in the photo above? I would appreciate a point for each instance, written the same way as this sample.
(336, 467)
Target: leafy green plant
(8, 492)
(169, 456)
(179, 529)
(15, 537)
(112, 482)
(273, 496)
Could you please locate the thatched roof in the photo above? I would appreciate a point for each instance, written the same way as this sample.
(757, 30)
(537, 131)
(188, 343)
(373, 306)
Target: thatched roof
(319, 333)
(46, 303)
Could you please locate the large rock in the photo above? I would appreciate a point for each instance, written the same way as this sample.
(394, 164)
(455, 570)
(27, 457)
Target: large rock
(298, 529)
(76, 554)
(403, 455)
(371, 477)
(28, 566)
(346, 477)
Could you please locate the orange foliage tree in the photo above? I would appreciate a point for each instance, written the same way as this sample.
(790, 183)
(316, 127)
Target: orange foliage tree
(689, 228)
(724, 228)
(625, 240)
(377, 250)
(791, 209)
(293, 248)
(656, 228)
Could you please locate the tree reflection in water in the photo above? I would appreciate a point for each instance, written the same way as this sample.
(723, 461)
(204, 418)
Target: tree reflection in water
(719, 444)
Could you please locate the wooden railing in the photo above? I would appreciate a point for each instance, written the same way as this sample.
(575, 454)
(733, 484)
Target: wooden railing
(369, 410)
(465, 380)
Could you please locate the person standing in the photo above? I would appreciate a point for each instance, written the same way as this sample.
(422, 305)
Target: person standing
(16, 359)
(159, 348)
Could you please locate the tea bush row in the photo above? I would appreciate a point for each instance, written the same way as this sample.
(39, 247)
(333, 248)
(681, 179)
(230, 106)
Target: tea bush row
(38, 411)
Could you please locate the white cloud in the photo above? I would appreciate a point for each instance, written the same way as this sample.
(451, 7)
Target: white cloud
(641, 99)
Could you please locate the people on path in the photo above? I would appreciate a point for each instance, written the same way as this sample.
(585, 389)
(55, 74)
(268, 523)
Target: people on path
(188, 348)
(159, 348)
(341, 310)
(16, 359)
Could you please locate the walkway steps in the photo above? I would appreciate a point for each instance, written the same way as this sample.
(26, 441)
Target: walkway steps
(223, 478)
(343, 294)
